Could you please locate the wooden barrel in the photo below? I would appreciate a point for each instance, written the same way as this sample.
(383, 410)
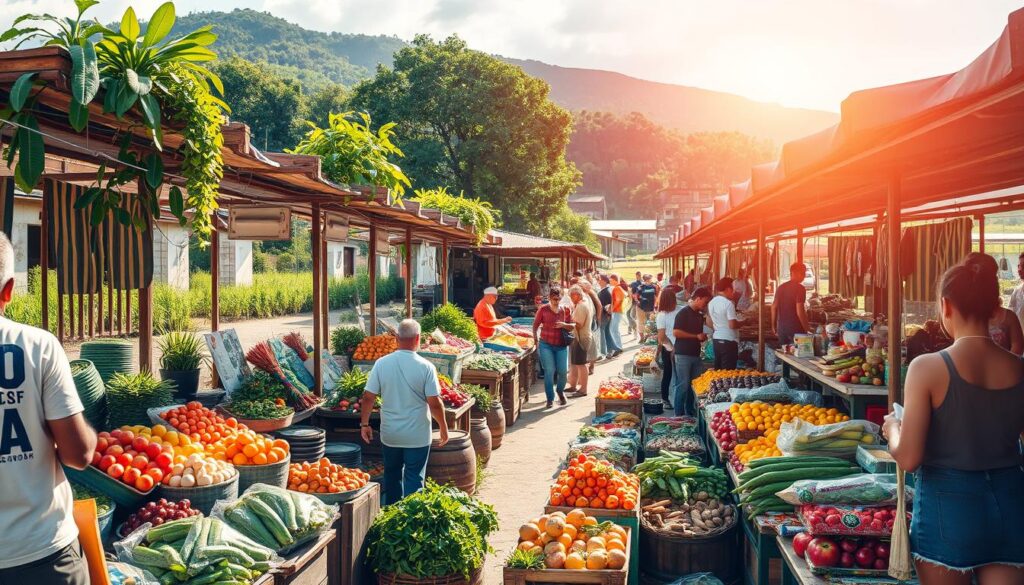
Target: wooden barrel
(496, 424)
(455, 463)
(670, 557)
(480, 435)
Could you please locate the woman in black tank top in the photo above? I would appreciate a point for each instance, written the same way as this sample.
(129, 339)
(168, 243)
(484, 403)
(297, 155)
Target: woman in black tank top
(960, 432)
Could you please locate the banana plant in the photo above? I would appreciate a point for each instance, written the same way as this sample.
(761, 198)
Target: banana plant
(134, 64)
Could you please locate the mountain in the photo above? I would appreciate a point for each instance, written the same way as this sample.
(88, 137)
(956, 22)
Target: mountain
(314, 58)
(687, 109)
(317, 58)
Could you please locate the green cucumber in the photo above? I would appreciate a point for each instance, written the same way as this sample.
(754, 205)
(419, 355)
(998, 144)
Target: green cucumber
(173, 558)
(213, 577)
(809, 460)
(171, 531)
(148, 556)
(216, 528)
(792, 475)
(270, 520)
(226, 552)
(302, 512)
(251, 548)
(795, 464)
(281, 502)
(769, 489)
(242, 519)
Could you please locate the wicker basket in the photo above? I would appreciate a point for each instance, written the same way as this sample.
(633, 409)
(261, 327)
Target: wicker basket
(264, 425)
(275, 474)
(391, 579)
(202, 498)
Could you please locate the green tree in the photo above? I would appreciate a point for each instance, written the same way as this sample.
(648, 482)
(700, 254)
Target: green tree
(272, 106)
(324, 101)
(572, 227)
(478, 126)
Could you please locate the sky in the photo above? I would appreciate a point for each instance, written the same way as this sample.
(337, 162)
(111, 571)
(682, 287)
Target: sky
(802, 53)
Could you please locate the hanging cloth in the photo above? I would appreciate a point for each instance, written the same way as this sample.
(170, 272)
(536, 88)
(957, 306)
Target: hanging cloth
(130, 249)
(75, 252)
(937, 247)
(7, 205)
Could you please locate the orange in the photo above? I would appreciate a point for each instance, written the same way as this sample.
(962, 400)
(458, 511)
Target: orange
(240, 459)
(259, 459)
(250, 450)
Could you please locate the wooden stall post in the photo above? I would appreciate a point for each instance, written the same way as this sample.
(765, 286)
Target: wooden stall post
(214, 290)
(44, 269)
(716, 257)
(408, 273)
(800, 245)
(325, 293)
(146, 329)
(444, 271)
(318, 305)
(371, 268)
(895, 291)
(760, 304)
(981, 233)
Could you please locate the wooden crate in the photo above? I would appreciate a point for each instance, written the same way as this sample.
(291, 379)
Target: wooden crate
(347, 553)
(603, 577)
(629, 519)
(308, 565)
(458, 419)
(510, 399)
(489, 380)
(603, 405)
(527, 373)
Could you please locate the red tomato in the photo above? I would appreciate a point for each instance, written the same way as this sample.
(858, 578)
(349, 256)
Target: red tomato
(106, 461)
(164, 461)
(102, 444)
(125, 459)
(140, 443)
(144, 483)
(130, 475)
(140, 462)
(115, 450)
(156, 473)
(153, 449)
(126, 438)
(116, 470)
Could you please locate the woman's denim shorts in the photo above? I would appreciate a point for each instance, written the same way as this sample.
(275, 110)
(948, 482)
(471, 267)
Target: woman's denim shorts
(966, 519)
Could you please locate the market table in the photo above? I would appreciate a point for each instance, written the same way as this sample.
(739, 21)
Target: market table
(796, 572)
(308, 565)
(347, 553)
(527, 372)
(858, 397)
(764, 560)
(458, 418)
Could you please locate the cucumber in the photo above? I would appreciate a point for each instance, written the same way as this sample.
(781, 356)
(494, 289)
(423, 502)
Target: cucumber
(213, 577)
(282, 504)
(792, 475)
(229, 553)
(755, 473)
(149, 556)
(190, 543)
(270, 521)
(301, 511)
(242, 519)
(808, 460)
(171, 531)
(173, 558)
(769, 489)
(216, 528)
(250, 548)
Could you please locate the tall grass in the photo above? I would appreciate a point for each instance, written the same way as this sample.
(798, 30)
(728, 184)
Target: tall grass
(270, 295)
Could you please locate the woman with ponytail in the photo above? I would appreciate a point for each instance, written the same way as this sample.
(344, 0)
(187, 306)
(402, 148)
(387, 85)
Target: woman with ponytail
(964, 413)
(1004, 326)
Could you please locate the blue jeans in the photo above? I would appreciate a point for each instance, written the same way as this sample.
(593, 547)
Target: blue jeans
(615, 332)
(554, 359)
(405, 470)
(606, 340)
(687, 368)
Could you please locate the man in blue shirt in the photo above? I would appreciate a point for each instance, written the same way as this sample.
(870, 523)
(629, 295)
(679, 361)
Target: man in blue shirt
(408, 388)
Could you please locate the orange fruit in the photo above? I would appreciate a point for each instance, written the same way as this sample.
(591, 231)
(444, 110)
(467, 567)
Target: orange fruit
(240, 459)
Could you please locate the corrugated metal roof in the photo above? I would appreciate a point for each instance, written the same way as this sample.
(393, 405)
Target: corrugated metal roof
(624, 225)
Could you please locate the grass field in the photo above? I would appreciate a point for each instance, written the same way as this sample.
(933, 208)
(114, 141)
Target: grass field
(646, 264)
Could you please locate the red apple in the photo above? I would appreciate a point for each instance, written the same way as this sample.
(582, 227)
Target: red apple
(800, 542)
(882, 550)
(847, 561)
(116, 470)
(140, 443)
(130, 475)
(125, 459)
(114, 450)
(96, 458)
(164, 461)
(881, 564)
(865, 557)
(106, 461)
(848, 545)
(102, 444)
(154, 449)
(126, 438)
(823, 552)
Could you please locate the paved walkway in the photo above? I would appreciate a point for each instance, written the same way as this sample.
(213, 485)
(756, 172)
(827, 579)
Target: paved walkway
(520, 473)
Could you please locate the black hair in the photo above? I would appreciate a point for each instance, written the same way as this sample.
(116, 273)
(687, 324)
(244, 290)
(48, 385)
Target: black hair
(554, 291)
(667, 301)
(702, 292)
(973, 286)
(798, 267)
(723, 284)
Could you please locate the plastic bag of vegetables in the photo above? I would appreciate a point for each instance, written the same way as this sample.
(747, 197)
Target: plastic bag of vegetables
(277, 518)
(866, 489)
(800, 437)
(195, 551)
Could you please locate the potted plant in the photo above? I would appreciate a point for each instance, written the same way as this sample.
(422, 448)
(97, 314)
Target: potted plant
(181, 357)
(436, 536)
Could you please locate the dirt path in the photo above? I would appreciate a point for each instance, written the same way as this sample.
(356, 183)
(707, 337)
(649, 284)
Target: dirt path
(521, 471)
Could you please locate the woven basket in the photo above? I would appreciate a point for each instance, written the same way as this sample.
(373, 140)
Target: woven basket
(390, 579)
(275, 474)
(202, 498)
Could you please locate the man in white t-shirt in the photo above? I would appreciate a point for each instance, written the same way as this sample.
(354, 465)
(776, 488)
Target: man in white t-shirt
(41, 426)
(722, 318)
(408, 388)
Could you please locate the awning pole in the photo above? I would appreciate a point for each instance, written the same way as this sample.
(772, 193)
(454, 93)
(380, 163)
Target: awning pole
(318, 308)
(408, 273)
(325, 291)
(371, 266)
(981, 233)
(44, 261)
(800, 245)
(895, 290)
(214, 292)
(760, 304)
(444, 270)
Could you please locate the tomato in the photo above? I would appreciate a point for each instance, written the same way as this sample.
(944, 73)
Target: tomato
(116, 470)
(126, 438)
(106, 461)
(131, 475)
(140, 443)
(144, 483)
(153, 450)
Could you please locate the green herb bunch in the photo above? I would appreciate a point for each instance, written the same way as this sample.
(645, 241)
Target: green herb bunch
(525, 559)
(345, 338)
(263, 409)
(452, 319)
(129, 396)
(259, 386)
(181, 351)
(484, 400)
(435, 532)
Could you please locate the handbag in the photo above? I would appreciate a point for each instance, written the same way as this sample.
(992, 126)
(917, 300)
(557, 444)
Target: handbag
(568, 335)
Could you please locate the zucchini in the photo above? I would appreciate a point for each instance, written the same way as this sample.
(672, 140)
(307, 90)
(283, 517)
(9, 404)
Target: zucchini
(216, 528)
(173, 558)
(226, 552)
(798, 474)
(752, 473)
(250, 548)
(171, 531)
(302, 512)
(245, 521)
(809, 460)
(674, 488)
(189, 545)
(270, 521)
(169, 578)
(283, 504)
(148, 556)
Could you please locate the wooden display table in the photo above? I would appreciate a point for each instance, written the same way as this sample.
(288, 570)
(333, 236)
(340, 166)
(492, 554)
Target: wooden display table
(307, 566)
(486, 378)
(856, 396)
(458, 418)
(796, 572)
(347, 552)
(511, 399)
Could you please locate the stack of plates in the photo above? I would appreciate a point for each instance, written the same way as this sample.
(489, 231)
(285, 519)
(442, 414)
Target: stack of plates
(348, 455)
(307, 443)
(109, 356)
(91, 392)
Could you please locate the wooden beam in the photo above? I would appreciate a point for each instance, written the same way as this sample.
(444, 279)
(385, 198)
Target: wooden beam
(760, 304)
(894, 310)
(146, 329)
(371, 268)
(214, 290)
(444, 270)
(800, 245)
(981, 233)
(44, 268)
(408, 273)
(318, 317)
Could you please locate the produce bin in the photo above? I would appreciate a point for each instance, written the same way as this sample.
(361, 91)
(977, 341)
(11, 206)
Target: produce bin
(347, 553)
(447, 364)
(275, 474)
(123, 494)
(486, 378)
(629, 519)
(202, 497)
(603, 405)
(600, 577)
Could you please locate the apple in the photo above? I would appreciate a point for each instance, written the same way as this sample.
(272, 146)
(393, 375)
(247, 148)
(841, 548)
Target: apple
(846, 560)
(153, 450)
(833, 519)
(881, 564)
(126, 438)
(800, 542)
(116, 470)
(106, 461)
(140, 443)
(823, 552)
(882, 550)
(865, 557)
(848, 545)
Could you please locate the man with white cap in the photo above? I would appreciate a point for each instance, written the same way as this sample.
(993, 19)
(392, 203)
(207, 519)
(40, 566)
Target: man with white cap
(483, 314)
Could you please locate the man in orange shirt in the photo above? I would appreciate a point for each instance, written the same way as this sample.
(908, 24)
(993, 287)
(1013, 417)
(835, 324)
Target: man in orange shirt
(616, 310)
(484, 315)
